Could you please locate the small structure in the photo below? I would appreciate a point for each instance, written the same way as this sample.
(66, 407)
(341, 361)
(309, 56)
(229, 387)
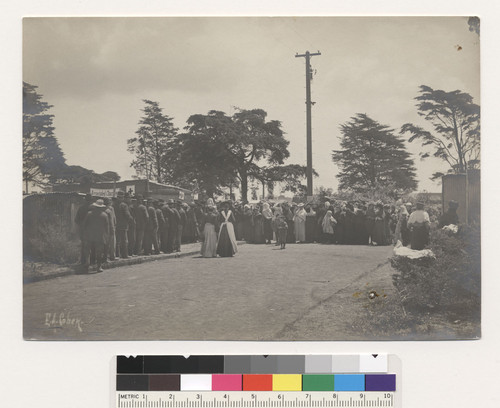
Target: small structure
(466, 190)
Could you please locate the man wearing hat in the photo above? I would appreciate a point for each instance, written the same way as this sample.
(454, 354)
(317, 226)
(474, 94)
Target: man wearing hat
(111, 245)
(161, 222)
(141, 220)
(167, 216)
(173, 224)
(450, 216)
(150, 234)
(123, 219)
(180, 226)
(96, 233)
(131, 233)
(419, 225)
(79, 219)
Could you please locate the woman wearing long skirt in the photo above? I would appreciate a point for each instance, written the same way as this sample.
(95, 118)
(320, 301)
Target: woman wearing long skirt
(227, 245)
(310, 225)
(299, 220)
(258, 227)
(238, 226)
(328, 225)
(370, 221)
(209, 245)
(378, 234)
(419, 225)
(247, 224)
(268, 227)
(402, 232)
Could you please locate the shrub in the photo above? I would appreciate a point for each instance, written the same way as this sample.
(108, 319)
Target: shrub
(53, 244)
(452, 279)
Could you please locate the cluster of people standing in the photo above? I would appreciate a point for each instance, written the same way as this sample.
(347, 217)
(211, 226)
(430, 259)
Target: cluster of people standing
(127, 226)
(341, 223)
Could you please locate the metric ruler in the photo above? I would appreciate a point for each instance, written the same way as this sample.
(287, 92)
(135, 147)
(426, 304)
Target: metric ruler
(281, 381)
(243, 399)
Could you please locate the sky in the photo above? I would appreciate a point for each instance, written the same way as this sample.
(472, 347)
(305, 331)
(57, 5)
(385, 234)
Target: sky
(96, 72)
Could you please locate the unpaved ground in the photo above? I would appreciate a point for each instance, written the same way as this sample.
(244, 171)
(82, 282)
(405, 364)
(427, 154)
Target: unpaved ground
(303, 292)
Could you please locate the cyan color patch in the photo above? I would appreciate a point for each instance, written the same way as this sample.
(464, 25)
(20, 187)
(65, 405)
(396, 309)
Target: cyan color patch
(349, 382)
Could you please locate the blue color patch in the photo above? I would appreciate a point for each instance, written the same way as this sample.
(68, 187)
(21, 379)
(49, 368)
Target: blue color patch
(349, 382)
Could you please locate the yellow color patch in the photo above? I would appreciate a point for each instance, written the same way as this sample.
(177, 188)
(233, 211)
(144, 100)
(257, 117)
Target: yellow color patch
(287, 382)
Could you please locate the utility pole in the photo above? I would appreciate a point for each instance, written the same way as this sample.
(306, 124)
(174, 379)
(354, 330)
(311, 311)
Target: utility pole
(308, 56)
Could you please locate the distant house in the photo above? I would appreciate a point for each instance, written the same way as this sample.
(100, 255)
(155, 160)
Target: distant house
(147, 188)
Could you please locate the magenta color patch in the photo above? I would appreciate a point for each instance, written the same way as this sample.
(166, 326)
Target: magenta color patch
(226, 382)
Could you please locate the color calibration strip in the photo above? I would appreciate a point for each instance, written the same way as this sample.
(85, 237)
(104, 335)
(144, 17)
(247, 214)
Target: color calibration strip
(346, 373)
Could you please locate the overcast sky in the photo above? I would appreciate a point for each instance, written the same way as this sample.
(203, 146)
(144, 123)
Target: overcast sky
(96, 71)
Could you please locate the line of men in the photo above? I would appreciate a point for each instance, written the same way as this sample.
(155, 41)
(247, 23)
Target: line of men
(134, 225)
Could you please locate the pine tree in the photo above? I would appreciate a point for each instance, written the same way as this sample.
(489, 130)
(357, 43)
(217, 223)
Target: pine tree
(455, 119)
(152, 144)
(372, 156)
(42, 156)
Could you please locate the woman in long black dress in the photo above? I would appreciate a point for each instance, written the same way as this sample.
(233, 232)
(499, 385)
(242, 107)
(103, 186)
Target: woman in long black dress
(247, 224)
(310, 224)
(226, 245)
(268, 218)
(258, 227)
(378, 236)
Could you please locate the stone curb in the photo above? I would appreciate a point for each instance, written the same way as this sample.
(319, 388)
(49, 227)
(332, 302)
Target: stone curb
(135, 260)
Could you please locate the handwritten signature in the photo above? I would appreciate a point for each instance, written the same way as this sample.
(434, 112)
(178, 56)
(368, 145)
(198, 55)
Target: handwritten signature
(62, 319)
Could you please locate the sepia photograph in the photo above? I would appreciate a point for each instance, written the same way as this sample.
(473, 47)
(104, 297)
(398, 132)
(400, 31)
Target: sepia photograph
(251, 178)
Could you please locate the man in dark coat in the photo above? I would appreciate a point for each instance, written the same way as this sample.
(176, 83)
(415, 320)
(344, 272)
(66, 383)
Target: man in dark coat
(123, 219)
(141, 220)
(110, 249)
(161, 222)
(167, 216)
(190, 231)
(173, 226)
(79, 219)
(96, 233)
(181, 225)
(150, 234)
(132, 227)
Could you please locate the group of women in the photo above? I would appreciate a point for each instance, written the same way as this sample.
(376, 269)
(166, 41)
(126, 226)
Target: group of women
(352, 223)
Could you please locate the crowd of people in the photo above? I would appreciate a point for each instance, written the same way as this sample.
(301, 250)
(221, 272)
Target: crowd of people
(129, 226)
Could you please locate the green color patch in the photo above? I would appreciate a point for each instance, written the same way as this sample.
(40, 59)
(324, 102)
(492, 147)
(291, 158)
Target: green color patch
(317, 382)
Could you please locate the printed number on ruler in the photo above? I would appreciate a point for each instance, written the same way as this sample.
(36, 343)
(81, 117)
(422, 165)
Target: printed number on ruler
(247, 399)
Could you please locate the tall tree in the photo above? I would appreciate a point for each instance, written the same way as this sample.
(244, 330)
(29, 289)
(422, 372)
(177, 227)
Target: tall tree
(42, 155)
(199, 155)
(372, 156)
(152, 143)
(456, 122)
(235, 146)
(290, 176)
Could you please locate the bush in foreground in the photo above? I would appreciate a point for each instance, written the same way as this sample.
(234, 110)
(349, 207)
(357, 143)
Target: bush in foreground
(452, 280)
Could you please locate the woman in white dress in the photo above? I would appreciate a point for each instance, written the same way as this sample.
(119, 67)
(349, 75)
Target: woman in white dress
(299, 219)
(227, 245)
(211, 219)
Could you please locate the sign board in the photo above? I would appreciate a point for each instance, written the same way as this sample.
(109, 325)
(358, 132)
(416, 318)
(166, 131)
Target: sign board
(102, 192)
(130, 189)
